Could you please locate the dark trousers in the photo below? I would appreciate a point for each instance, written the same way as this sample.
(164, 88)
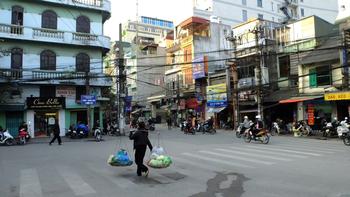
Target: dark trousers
(58, 137)
(139, 155)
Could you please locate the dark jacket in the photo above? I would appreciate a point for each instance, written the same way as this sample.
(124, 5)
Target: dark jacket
(56, 129)
(140, 138)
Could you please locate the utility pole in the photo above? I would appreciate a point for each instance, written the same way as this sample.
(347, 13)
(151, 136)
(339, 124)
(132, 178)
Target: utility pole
(122, 80)
(87, 87)
(260, 62)
(345, 51)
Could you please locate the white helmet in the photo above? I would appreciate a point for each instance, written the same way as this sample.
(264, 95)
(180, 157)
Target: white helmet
(335, 118)
(258, 117)
(245, 117)
(346, 118)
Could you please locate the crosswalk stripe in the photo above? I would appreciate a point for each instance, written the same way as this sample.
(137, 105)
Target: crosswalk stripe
(255, 155)
(304, 148)
(159, 177)
(196, 164)
(237, 157)
(119, 181)
(30, 184)
(252, 149)
(217, 160)
(288, 151)
(313, 147)
(75, 182)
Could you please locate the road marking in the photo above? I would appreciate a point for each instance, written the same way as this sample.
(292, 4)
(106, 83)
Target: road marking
(253, 154)
(217, 160)
(75, 182)
(227, 184)
(30, 184)
(288, 151)
(312, 147)
(196, 164)
(299, 148)
(237, 157)
(252, 149)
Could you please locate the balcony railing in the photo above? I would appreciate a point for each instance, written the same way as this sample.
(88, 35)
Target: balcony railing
(11, 29)
(97, 3)
(57, 75)
(11, 74)
(53, 36)
(48, 33)
(104, 5)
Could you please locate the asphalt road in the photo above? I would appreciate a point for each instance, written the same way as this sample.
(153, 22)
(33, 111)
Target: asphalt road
(204, 166)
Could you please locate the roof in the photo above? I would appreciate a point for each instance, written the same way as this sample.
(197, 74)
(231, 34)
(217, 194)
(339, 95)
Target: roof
(193, 19)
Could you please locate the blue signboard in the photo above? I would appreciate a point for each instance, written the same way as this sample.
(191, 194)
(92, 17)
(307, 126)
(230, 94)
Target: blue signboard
(198, 68)
(128, 106)
(88, 99)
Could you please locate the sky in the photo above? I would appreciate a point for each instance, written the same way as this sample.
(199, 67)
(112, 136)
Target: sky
(123, 10)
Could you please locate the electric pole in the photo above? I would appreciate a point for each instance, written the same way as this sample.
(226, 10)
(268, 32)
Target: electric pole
(122, 81)
(87, 87)
(345, 55)
(260, 62)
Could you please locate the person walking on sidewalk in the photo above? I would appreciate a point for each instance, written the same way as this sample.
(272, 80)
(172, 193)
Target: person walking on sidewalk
(56, 133)
(141, 141)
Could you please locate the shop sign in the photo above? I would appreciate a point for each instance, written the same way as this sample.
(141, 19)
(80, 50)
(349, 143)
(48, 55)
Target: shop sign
(182, 105)
(88, 99)
(128, 107)
(192, 103)
(198, 68)
(46, 103)
(310, 114)
(217, 95)
(66, 91)
(337, 96)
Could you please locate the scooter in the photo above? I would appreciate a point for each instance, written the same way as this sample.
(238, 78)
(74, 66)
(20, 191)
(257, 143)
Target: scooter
(23, 135)
(329, 130)
(98, 134)
(275, 128)
(188, 129)
(262, 136)
(6, 138)
(344, 132)
(208, 129)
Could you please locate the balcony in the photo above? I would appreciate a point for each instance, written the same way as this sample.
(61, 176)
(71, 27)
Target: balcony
(53, 36)
(102, 5)
(10, 74)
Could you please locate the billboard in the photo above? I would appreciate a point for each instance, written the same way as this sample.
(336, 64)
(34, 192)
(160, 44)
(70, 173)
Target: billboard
(217, 95)
(198, 68)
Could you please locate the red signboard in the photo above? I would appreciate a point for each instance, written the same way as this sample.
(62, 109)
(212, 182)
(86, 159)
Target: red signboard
(310, 114)
(192, 103)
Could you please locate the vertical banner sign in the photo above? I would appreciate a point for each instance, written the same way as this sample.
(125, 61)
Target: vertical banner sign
(198, 69)
(310, 113)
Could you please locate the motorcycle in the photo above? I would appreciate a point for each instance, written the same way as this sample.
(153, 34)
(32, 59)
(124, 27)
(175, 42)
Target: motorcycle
(114, 130)
(262, 136)
(188, 129)
(151, 127)
(98, 134)
(329, 129)
(6, 138)
(305, 129)
(275, 129)
(344, 132)
(208, 129)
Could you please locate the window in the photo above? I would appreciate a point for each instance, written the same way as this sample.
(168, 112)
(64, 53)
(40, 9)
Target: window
(302, 12)
(83, 24)
(16, 62)
(320, 76)
(17, 15)
(272, 6)
(244, 15)
(47, 60)
(80, 90)
(284, 66)
(49, 20)
(47, 91)
(244, 2)
(260, 3)
(82, 62)
(260, 16)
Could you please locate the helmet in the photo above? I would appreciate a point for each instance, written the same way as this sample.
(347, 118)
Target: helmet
(245, 117)
(335, 118)
(258, 117)
(346, 118)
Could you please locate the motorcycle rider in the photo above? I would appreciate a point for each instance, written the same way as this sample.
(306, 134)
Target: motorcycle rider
(1, 133)
(246, 123)
(257, 126)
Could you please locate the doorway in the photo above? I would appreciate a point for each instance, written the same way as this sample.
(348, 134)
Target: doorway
(43, 122)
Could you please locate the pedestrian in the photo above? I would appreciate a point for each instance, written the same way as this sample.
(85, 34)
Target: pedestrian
(141, 141)
(169, 122)
(56, 133)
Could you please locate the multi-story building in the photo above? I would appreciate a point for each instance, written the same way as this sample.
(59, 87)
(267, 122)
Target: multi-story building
(186, 80)
(145, 61)
(235, 12)
(55, 51)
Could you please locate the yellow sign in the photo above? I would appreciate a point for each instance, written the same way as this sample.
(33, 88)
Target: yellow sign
(337, 96)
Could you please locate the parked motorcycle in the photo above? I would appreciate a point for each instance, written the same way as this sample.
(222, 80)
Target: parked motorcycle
(305, 128)
(188, 129)
(344, 132)
(114, 130)
(275, 129)
(98, 134)
(208, 129)
(6, 138)
(329, 129)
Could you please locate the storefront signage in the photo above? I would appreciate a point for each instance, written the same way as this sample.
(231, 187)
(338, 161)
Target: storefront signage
(66, 91)
(311, 114)
(88, 99)
(198, 69)
(182, 105)
(128, 100)
(46, 103)
(192, 103)
(217, 95)
(337, 96)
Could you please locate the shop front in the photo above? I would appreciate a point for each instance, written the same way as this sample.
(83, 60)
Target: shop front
(44, 113)
(342, 102)
(217, 103)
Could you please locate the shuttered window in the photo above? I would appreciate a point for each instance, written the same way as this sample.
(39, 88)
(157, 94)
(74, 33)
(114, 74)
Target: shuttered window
(83, 24)
(83, 62)
(49, 20)
(47, 60)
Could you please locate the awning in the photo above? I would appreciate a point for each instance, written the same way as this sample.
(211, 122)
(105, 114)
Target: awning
(155, 98)
(215, 110)
(136, 111)
(165, 107)
(298, 99)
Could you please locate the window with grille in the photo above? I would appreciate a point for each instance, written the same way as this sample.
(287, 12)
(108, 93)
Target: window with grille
(49, 20)
(83, 62)
(83, 24)
(47, 60)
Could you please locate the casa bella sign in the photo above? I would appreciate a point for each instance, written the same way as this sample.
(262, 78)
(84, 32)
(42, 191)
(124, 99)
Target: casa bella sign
(46, 103)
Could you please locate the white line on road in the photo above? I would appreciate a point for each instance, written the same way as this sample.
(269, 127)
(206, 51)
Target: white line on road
(299, 148)
(237, 157)
(217, 160)
(288, 151)
(261, 155)
(75, 182)
(252, 149)
(30, 184)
